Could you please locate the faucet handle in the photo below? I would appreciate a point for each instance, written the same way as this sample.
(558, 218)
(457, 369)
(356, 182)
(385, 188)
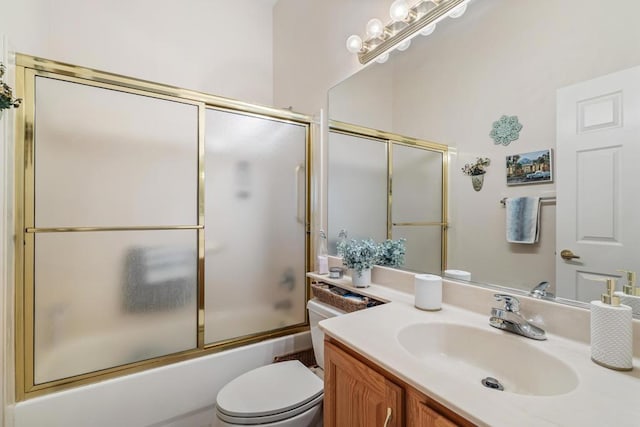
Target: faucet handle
(511, 304)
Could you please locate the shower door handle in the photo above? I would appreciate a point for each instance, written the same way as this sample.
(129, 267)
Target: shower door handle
(299, 216)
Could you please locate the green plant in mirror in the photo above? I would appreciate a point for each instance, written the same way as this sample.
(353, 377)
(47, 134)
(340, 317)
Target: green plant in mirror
(6, 93)
(505, 130)
(360, 254)
(392, 252)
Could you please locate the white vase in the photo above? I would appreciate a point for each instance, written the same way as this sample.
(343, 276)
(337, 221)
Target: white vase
(362, 280)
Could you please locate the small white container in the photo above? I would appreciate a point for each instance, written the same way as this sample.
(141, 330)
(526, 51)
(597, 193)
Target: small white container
(428, 292)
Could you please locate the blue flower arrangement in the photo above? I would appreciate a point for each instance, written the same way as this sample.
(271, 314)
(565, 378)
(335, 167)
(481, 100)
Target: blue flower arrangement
(392, 252)
(363, 254)
(360, 254)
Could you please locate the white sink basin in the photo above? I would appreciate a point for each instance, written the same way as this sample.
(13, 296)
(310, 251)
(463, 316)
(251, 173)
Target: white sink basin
(474, 353)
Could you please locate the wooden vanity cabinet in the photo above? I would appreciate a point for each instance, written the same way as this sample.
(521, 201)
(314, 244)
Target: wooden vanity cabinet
(358, 393)
(419, 413)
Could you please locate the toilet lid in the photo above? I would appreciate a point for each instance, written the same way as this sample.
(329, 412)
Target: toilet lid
(269, 390)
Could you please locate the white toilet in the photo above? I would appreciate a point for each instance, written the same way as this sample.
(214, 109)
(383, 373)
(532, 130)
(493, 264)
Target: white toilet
(285, 394)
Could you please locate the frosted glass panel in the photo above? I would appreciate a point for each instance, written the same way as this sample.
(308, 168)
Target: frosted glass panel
(255, 232)
(357, 194)
(109, 158)
(424, 247)
(104, 299)
(417, 185)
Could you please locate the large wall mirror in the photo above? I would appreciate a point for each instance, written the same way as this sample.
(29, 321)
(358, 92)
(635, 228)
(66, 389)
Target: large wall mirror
(566, 69)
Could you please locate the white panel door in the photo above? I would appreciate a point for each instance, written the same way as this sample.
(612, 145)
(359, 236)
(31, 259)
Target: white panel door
(598, 148)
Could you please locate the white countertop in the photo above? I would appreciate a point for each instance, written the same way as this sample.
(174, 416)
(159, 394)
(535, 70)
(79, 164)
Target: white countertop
(603, 397)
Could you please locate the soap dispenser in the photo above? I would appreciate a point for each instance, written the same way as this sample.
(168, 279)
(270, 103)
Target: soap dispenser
(611, 331)
(630, 294)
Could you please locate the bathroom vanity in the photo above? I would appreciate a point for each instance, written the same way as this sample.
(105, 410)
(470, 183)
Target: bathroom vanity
(426, 368)
(382, 399)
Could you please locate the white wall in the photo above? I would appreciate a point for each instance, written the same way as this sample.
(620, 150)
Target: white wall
(309, 47)
(223, 47)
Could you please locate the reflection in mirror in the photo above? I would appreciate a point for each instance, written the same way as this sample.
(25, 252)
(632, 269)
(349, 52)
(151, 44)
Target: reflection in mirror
(417, 205)
(388, 187)
(452, 85)
(358, 186)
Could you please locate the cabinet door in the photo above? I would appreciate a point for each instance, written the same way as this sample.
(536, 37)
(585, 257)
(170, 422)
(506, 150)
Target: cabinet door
(421, 415)
(356, 395)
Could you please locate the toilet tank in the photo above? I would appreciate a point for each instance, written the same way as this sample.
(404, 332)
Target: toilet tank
(319, 311)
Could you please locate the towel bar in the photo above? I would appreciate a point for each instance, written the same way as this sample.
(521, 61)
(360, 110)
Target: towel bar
(503, 201)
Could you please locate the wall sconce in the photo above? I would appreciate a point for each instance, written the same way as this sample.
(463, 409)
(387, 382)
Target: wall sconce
(406, 23)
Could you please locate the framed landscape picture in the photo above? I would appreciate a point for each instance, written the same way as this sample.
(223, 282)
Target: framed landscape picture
(535, 167)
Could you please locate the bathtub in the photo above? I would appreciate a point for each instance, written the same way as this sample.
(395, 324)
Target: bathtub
(177, 395)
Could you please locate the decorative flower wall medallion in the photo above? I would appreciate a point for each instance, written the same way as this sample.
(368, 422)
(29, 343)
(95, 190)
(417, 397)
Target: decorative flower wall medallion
(505, 130)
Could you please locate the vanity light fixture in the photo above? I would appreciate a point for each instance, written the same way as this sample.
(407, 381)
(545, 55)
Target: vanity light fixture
(406, 23)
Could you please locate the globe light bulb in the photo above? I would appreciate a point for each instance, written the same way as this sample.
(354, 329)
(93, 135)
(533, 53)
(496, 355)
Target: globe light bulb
(382, 58)
(375, 28)
(399, 10)
(428, 29)
(458, 11)
(404, 45)
(354, 44)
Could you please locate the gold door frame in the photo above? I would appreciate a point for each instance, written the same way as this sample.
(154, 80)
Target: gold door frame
(392, 139)
(27, 69)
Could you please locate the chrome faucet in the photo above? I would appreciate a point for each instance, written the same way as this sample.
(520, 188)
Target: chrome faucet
(509, 319)
(541, 292)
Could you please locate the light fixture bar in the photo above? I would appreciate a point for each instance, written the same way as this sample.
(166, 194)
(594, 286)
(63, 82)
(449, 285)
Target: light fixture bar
(434, 15)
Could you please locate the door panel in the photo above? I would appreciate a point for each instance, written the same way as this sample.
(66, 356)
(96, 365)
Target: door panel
(598, 144)
(108, 299)
(358, 396)
(357, 193)
(255, 225)
(417, 185)
(106, 158)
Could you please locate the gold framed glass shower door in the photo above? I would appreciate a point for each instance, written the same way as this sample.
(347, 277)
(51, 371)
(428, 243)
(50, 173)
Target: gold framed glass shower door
(110, 187)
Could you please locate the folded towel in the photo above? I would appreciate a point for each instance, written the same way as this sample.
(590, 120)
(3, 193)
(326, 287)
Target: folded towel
(523, 219)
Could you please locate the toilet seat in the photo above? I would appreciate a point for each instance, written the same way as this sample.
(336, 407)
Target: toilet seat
(269, 394)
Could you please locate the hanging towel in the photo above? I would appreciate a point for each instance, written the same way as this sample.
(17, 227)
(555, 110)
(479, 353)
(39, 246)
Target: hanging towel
(523, 219)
